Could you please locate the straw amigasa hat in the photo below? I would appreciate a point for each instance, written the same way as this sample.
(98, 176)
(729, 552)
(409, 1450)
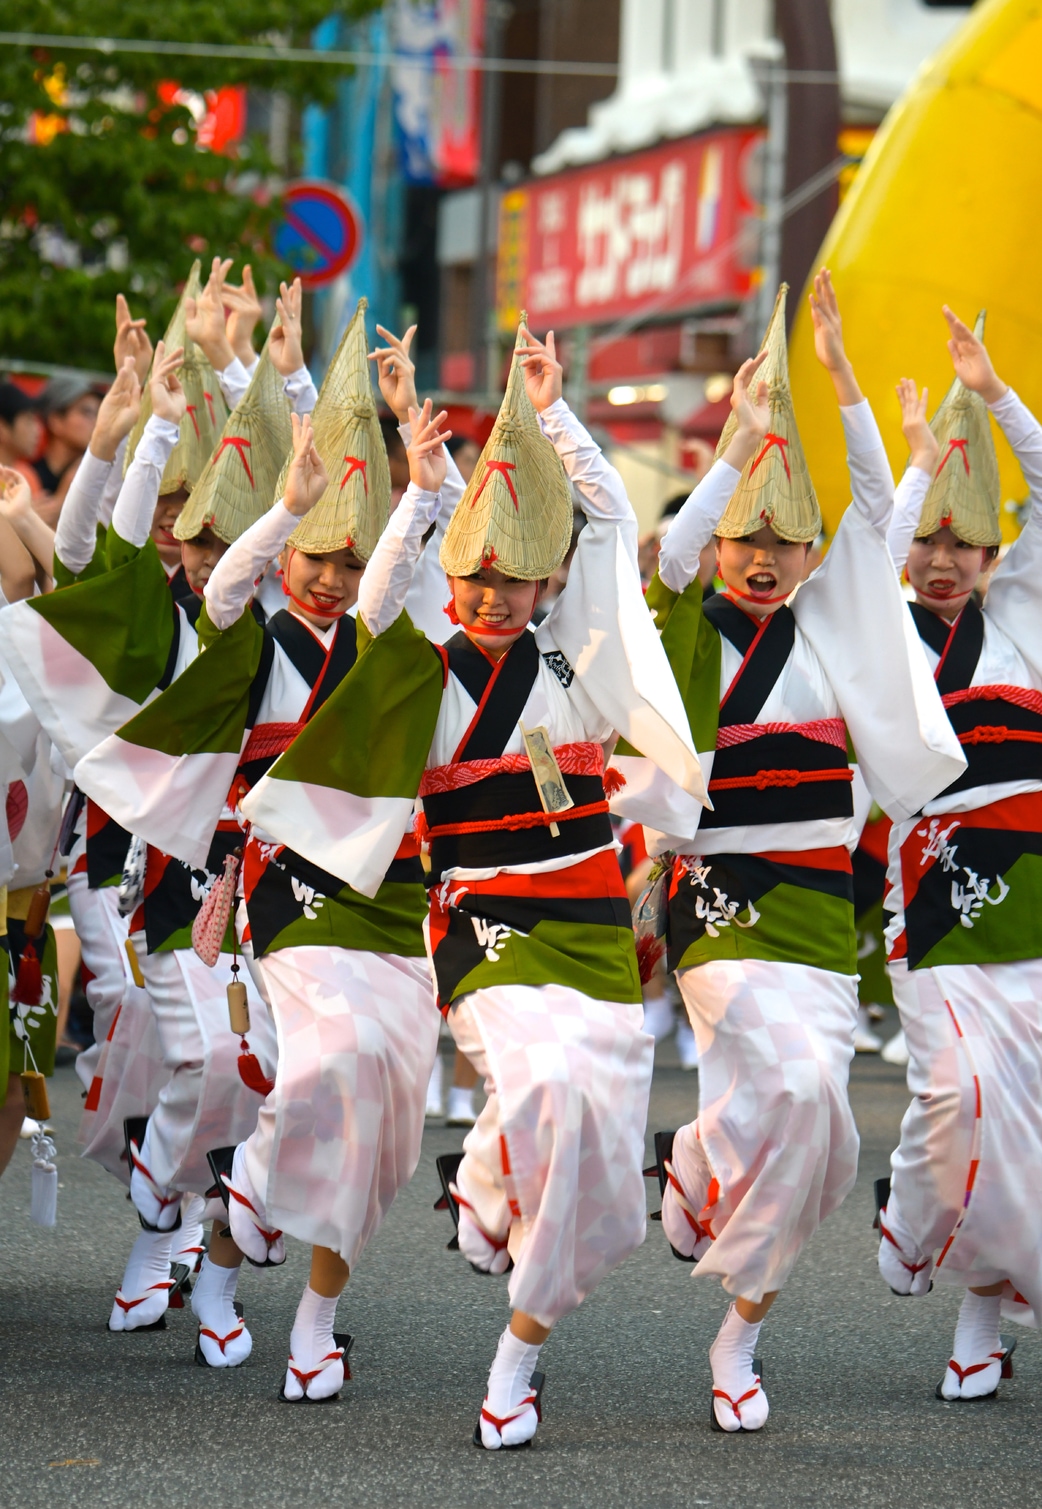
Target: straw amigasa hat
(351, 513)
(516, 512)
(775, 487)
(237, 486)
(965, 490)
(206, 410)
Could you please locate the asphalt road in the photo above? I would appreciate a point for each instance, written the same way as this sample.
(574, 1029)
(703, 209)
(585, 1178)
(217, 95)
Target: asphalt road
(93, 1419)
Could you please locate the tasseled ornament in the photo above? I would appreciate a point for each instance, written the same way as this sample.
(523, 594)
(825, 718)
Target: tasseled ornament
(251, 1073)
(614, 780)
(28, 985)
(649, 951)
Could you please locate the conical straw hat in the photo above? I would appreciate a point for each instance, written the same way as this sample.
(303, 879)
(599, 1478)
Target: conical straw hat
(516, 512)
(353, 510)
(965, 490)
(205, 412)
(775, 487)
(238, 482)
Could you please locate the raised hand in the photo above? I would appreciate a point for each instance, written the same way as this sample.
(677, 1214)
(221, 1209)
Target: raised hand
(914, 425)
(118, 413)
(204, 318)
(131, 340)
(971, 360)
(244, 310)
(164, 389)
(15, 497)
(828, 339)
(544, 375)
(286, 341)
(307, 478)
(426, 450)
(751, 406)
(396, 373)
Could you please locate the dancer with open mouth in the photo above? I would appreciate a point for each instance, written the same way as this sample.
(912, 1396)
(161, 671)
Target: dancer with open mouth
(346, 974)
(760, 918)
(502, 732)
(966, 882)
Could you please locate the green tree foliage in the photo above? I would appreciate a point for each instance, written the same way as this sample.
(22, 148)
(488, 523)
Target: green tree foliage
(104, 189)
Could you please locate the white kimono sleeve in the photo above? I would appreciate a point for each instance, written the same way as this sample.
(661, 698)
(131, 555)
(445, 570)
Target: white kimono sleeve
(234, 579)
(1014, 600)
(136, 504)
(600, 621)
(855, 617)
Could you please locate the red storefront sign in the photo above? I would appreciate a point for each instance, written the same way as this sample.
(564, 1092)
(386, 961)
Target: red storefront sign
(656, 233)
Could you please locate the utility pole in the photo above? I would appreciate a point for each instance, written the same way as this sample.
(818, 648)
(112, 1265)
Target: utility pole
(771, 78)
(804, 28)
(485, 344)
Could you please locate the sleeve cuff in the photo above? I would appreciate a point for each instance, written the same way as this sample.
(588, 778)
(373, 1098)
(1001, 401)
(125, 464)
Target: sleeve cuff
(1006, 406)
(860, 428)
(94, 471)
(157, 441)
(283, 523)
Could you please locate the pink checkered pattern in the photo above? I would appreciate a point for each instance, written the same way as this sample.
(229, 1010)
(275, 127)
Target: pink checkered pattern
(967, 1172)
(774, 1148)
(340, 1134)
(554, 1161)
(204, 1103)
(102, 933)
(131, 1072)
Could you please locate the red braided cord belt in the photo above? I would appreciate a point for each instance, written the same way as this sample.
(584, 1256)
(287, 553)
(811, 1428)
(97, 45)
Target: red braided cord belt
(518, 820)
(998, 733)
(763, 780)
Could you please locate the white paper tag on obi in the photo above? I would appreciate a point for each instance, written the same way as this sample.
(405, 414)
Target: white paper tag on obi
(553, 793)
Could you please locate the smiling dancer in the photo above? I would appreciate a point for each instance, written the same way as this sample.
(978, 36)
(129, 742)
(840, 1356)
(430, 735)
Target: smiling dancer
(760, 915)
(532, 949)
(349, 984)
(117, 629)
(967, 883)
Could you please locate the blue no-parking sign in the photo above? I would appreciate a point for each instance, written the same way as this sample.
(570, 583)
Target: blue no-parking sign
(320, 234)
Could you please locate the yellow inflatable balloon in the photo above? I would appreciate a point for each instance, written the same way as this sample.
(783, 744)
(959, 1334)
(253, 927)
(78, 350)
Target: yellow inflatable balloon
(946, 209)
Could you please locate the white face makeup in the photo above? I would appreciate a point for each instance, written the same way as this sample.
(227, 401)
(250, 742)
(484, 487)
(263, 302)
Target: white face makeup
(500, 605)
(323, 587)
(943, 571)
(760, 569)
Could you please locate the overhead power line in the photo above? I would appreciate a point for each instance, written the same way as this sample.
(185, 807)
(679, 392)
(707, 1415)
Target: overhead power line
(340, 57)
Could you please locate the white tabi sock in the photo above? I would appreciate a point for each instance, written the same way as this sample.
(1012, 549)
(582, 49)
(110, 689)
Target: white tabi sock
(508, 1415)
(976, 1342)
(144, 1292)
(188, 1246)
(738, 1400)
(435, 1107)
(251, 1229)
(223, 1338)
(314, 1369)
(460, 1112)
(156, 1203)
(902, 1263)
